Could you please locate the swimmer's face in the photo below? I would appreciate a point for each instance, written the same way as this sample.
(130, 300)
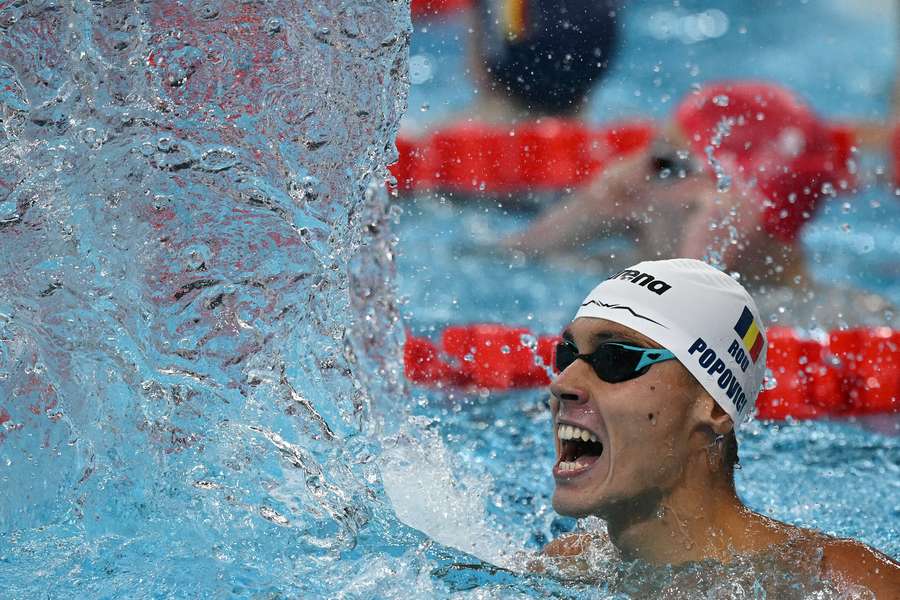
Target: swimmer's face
(642, 427)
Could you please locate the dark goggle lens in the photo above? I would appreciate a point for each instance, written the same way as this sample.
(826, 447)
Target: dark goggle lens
(565, 355)
(611, 362)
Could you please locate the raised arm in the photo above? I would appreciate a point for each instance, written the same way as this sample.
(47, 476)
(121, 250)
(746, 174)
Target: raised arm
(591, 211)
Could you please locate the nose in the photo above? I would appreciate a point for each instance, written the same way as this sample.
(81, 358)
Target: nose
(564, 391)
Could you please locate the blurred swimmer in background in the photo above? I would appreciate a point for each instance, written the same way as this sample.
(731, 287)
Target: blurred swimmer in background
(533, 58)
(732, 177)
(659, 366)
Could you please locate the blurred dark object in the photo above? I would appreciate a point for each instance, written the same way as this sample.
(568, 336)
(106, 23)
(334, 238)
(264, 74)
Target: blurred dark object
(545, 55)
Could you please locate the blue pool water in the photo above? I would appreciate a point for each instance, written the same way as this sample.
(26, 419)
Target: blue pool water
(837, 476)
(202, 304)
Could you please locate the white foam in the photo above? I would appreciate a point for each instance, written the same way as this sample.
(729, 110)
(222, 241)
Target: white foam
(426, 495)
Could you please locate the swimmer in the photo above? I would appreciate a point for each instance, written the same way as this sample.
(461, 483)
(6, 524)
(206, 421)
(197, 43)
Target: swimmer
(533, 58)
(660, 365)
(732, 178)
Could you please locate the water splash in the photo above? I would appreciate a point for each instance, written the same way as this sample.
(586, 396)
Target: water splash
(197, 307)
(723, 130)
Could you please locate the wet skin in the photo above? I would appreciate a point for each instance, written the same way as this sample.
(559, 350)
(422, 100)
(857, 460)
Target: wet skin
(642, 424)
(666, 494)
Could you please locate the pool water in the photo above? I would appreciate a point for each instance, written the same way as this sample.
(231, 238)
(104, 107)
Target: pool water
(203, 305)
(838, 476)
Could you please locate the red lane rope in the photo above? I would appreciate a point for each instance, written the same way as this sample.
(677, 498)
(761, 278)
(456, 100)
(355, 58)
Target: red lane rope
(432, 8)
(549, 154)
(854, 372)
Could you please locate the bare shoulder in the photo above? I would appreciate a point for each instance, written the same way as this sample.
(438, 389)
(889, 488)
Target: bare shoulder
(570, 556)
(857, 563)
(570, 545)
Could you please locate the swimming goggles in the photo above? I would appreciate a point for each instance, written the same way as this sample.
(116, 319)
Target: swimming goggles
(668, 163)
(613, 362)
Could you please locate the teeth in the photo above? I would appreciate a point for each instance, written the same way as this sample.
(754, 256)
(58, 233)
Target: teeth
(568, 432)
(570, 466)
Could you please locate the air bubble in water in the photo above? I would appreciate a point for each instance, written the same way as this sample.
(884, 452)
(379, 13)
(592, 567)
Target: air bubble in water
(723, 182)
(217, 159)
(274, 25)
(270, 514)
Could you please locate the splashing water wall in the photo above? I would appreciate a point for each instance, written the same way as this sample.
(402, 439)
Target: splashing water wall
(196, 310)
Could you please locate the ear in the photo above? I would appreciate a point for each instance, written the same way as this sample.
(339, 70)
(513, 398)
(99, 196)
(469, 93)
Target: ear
(721, 421)
(714, 416)
(710, 414)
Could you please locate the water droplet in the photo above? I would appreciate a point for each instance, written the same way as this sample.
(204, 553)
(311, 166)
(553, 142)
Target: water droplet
(306, 189)
(217, 159)
(420, 69)
(274, 25)
(528, 341)
(208, 10)
(270, 514)
(721, 100)
(206, 485)
(322, 34)
(164, 144)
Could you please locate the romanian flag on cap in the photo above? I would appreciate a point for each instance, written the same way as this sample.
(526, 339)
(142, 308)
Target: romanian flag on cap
(515, 15)
(749, 333)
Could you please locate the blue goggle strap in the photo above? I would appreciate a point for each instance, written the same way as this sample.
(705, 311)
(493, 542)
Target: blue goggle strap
(649, 356)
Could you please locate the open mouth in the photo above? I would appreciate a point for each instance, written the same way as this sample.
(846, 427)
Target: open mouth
(579, 449)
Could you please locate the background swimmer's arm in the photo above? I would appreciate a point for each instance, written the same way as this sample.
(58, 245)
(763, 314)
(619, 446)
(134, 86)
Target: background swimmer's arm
(853, 562)
(736, 212)
(591, 211)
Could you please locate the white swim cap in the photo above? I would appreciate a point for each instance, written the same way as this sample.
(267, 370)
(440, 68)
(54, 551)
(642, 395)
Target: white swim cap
(703, 316)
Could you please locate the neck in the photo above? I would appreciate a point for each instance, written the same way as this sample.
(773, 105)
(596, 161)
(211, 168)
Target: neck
(701, 518)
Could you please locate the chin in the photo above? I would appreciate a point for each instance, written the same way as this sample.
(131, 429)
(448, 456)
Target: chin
(565, 504)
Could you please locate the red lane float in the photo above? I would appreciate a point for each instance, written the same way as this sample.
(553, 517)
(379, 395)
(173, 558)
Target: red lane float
(854, 372)
(432, 8)
(894, 151)
(485, 356)
(550, 154)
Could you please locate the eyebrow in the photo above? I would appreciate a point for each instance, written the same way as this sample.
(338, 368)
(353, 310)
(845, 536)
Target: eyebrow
(606, 336)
